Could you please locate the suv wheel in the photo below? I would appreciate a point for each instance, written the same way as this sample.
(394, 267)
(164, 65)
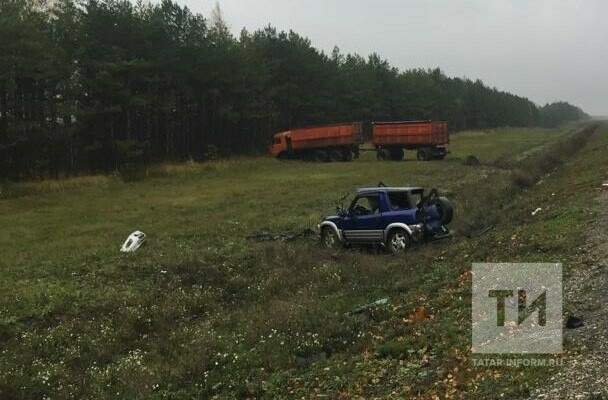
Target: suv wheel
(398, 241)
(329, 238)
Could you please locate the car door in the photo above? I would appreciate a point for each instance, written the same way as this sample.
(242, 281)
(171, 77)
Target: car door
(362, 224)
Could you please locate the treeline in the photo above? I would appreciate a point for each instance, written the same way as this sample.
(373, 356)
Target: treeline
(97, 85)
(555, 114)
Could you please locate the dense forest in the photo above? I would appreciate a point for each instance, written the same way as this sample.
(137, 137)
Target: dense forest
(95, 85)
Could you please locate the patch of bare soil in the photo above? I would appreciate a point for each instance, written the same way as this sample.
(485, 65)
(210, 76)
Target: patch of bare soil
(584, 374)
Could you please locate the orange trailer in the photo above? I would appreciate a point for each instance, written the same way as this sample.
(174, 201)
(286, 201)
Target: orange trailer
(428, 138)
(335, 142)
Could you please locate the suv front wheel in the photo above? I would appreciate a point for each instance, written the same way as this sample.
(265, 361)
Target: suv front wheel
(398, 241)
(329, 238)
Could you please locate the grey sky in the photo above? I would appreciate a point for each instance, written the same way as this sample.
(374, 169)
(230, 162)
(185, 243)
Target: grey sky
(545, 50)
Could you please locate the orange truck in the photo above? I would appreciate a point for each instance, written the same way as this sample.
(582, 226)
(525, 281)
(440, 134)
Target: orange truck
(339, 142)
(428, 138)
(336, 142)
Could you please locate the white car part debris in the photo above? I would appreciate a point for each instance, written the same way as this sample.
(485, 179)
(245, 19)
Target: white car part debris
(536, 211)
(133, 242)
(364, 307)
(605, 184)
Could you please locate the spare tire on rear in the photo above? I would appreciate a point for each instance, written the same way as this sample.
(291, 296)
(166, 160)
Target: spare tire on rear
(444, 208)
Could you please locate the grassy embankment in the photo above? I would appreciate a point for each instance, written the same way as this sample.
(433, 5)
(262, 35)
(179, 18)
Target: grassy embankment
(202, 311)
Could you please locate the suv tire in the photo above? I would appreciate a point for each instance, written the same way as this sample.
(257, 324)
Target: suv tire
(444, 208)
(398, 241)
(329, 238)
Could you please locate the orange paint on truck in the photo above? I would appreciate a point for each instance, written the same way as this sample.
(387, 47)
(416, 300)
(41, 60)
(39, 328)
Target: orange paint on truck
(430, 133)
(323, 138)
(428, 138)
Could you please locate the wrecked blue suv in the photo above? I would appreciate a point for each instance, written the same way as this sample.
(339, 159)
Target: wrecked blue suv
(392, 217)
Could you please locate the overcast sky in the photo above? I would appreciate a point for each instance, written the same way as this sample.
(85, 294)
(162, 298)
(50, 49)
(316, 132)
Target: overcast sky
(545, 50)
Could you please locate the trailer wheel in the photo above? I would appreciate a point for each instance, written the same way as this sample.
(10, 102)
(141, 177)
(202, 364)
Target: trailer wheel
(397, 154)
(320, 156)
(347, 155)
(423, 154)
(383, 155)
(336, 156)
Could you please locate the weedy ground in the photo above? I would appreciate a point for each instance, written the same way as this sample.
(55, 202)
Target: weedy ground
(203, 312)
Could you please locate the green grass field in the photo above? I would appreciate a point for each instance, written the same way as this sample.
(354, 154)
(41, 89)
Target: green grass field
(202, 311)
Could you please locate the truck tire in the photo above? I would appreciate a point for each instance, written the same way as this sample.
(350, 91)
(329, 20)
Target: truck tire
(424, 154)
(336, 156)
(348, 155)
(398, 241)
(329, 238)
(383, 155)
(397, 154)
(444, 208)
(320, 156)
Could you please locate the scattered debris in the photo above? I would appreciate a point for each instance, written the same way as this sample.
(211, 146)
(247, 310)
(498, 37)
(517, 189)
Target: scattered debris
(605, 184)
(472, 160)
(536, 211)
(420, 313)
(133, 242)
(574, 322)
(305, 361)
(283, 237)
(481, 232)
(366, 307)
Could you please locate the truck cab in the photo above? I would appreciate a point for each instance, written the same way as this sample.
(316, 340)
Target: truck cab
(393, 217)
(279, 145)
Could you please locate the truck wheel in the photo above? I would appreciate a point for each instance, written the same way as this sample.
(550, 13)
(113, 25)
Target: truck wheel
(398, 241)
(383, 155)
(397, 154)
(348, 155)
(336, 156)
(329, 238)
(444, 208)
(423, 154)
(320, 156)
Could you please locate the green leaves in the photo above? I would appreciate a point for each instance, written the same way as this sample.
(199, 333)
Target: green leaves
(100, 72)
